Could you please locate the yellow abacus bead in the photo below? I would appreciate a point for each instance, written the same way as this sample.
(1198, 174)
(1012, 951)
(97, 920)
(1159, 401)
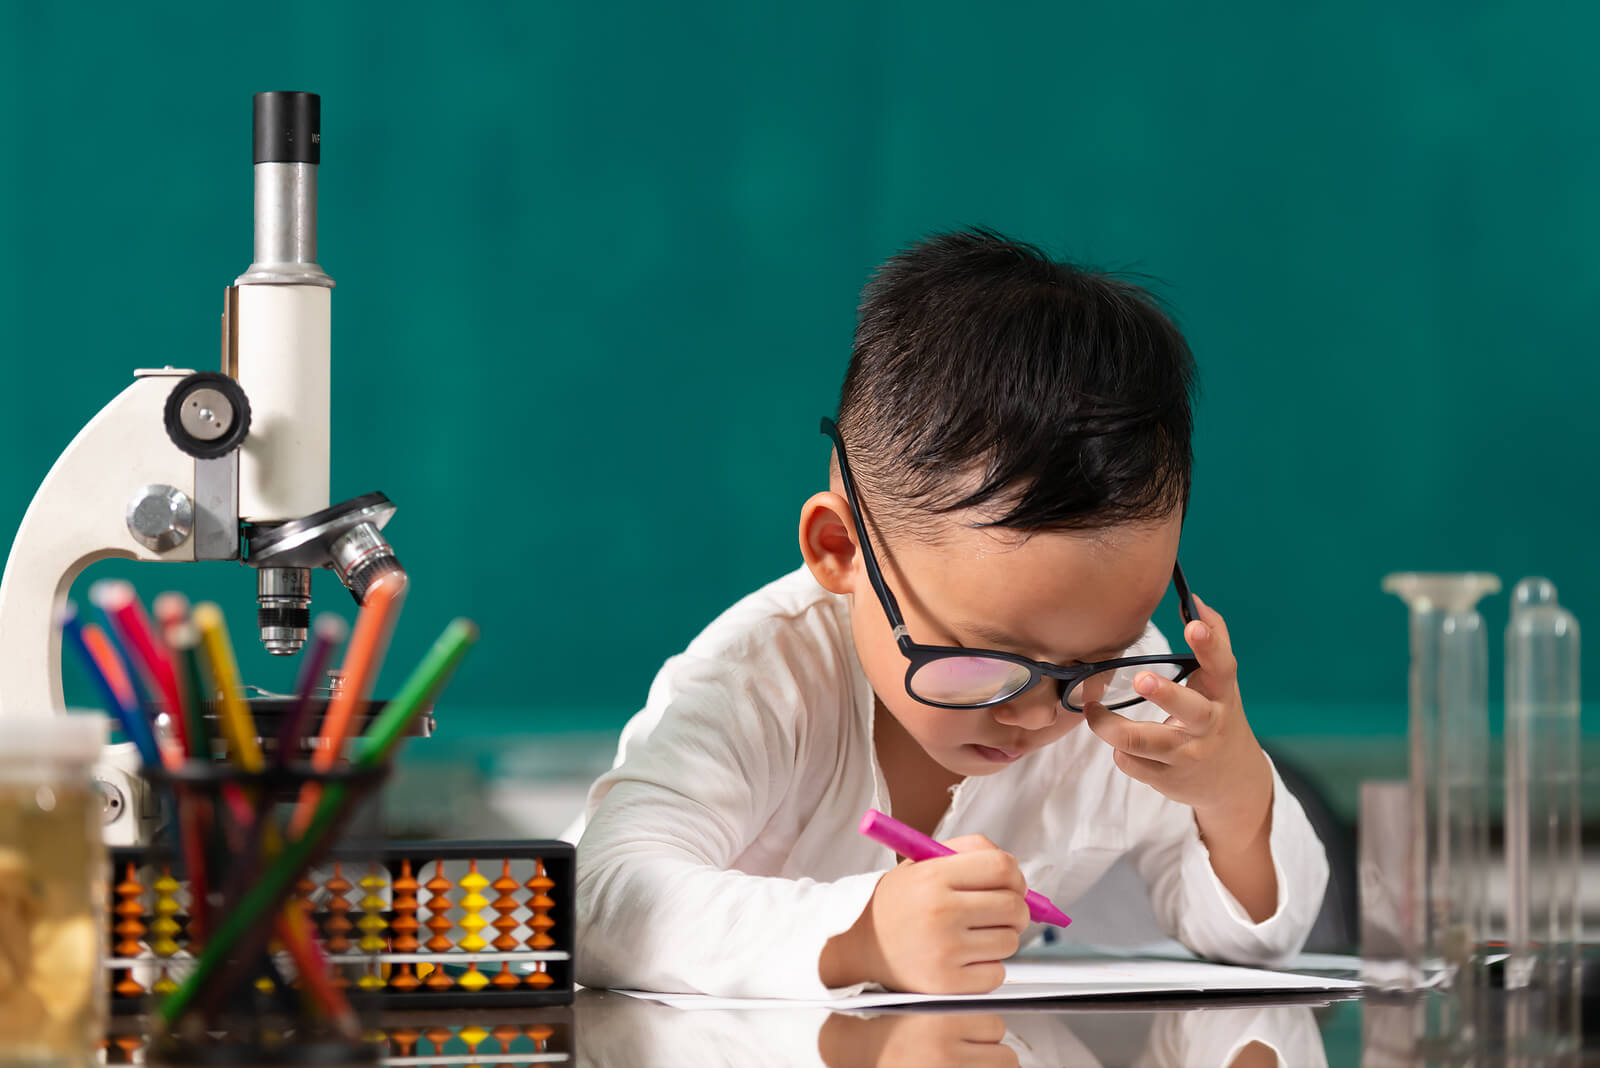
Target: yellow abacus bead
(474, 980)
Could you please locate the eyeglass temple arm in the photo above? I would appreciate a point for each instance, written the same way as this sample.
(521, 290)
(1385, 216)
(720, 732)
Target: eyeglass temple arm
(891, 607)
(1185, 598)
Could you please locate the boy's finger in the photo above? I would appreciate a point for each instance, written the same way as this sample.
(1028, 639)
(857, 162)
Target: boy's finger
(988, 943)
(995, 908)
(1155, 741)
(986, 869)
(970, 843)
(1188, 705)
(1149, 772)
(1208, 637)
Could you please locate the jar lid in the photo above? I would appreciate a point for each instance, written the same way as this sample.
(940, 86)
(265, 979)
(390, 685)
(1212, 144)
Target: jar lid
(78, 738)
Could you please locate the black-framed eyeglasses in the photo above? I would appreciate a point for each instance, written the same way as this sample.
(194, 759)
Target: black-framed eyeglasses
(957, 677)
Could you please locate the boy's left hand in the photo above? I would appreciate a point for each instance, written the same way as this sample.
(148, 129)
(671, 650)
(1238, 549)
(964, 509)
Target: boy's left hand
(1204, 754)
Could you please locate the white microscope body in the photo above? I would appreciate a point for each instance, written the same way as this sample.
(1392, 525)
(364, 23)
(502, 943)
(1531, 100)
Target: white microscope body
(181, 467)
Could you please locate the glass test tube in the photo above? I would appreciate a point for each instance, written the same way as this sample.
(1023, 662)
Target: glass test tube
(1542, 810)
(1448, 739)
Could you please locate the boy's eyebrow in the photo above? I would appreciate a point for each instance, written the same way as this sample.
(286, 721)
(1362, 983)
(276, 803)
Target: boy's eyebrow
(1000, 638)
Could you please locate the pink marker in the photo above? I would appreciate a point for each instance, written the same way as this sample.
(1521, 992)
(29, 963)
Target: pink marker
(914, 845)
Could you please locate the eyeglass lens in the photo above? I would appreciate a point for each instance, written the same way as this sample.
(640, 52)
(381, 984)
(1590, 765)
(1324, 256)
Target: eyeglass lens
(968, 680)
(982, 680)
(1114, 688)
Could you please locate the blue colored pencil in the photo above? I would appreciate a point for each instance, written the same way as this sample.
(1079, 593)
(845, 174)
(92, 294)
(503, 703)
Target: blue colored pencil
(147, 703)
(129, 717)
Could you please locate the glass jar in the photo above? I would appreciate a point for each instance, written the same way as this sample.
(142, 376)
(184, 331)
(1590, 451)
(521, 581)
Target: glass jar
(52, 891)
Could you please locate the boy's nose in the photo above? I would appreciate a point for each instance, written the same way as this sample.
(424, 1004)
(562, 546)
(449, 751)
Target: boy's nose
(1036, 709)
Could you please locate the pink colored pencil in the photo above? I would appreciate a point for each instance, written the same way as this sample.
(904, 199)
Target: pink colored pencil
(914, 845)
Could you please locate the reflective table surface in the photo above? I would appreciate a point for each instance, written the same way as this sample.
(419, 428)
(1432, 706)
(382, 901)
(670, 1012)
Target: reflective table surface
(614, 1030)
(608, 1030)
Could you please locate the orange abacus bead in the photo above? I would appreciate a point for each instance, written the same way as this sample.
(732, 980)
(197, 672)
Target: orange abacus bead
(405, 923)
(338, 925)
(539, 924)
(506, 1034)
(129, 929)
(404, 1039)
(505, 905)
(439, 905)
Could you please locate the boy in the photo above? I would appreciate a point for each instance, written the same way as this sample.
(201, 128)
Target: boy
(1010, 472)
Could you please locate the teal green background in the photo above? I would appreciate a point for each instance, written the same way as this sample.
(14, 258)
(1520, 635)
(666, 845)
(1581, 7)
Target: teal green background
(597, 268)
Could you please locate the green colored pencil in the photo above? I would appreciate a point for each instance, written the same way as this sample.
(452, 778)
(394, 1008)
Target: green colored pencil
(187, 652)
(422, 688)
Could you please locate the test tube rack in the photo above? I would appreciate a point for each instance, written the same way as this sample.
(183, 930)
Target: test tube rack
(416, 925)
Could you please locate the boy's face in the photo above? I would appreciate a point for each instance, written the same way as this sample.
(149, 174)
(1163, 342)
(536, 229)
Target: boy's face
(1064, 598)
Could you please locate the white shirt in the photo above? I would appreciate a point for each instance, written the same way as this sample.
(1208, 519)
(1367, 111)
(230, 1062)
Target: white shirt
(721, 851)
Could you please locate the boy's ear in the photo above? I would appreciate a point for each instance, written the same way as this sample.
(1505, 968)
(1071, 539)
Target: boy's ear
(828, 541)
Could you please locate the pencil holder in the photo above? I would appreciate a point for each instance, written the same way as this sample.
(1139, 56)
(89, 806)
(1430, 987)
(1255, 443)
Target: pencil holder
(249, 929)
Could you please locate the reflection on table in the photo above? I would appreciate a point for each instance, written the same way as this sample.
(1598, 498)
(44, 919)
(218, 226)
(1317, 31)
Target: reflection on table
(616, 1030)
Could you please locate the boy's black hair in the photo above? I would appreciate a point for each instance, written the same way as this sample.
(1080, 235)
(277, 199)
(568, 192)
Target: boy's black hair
(986, 375)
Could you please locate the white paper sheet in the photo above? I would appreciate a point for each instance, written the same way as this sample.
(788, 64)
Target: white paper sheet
(1029, 980)
(1169, 949)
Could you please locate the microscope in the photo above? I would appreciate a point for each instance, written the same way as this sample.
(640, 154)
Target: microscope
(184, 466)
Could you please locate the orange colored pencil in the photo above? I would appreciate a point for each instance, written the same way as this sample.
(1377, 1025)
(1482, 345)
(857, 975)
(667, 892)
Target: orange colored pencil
(369, 642)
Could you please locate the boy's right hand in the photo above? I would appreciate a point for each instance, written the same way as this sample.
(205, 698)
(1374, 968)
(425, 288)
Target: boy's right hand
(941, 926)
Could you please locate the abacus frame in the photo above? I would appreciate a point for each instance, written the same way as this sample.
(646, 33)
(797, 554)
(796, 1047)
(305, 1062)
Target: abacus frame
(559, 860)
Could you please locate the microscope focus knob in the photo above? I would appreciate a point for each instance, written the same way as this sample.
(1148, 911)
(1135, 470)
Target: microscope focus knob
(160, 517)
(207, 415)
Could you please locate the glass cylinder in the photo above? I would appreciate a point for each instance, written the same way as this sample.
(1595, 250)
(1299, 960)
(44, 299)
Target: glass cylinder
(52, 892)
(1542, 816)
(1392, 916)
(1448, 740)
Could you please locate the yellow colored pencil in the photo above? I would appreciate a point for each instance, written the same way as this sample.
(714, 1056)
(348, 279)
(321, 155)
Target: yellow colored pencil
(238, 727)
(244, 749)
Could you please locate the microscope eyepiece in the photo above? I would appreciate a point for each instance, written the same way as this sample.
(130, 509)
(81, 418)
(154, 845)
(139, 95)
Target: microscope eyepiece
(288, 127)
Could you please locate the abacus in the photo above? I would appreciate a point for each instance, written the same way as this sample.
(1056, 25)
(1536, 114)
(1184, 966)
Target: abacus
(371, 909)
(529, 1037)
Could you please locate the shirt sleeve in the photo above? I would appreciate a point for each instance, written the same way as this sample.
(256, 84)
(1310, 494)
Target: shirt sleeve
(1194, 907)
(657, 906)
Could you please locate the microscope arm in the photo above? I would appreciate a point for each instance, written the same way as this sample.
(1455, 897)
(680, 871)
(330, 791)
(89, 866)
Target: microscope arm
(73, 521)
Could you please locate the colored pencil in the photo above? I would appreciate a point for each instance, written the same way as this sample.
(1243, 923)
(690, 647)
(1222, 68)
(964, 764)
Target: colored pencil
(914, 845)
(106, 675)
(312, 966)
(241, 924)
(416, 694)
(120, 604)
(327, 634)
(359, 673)
(253, 823)
(233, 715)
(172, 617)
(113, 684)
(363, 657)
